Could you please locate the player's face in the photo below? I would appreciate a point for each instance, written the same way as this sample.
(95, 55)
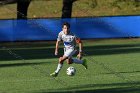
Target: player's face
(65, 29)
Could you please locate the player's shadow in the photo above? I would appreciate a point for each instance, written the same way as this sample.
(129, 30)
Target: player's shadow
(28, 53)
(112, 49)
(91, 88)
(23, 64)
(42, 52)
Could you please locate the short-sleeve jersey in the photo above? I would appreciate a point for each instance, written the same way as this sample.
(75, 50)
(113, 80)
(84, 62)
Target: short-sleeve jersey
(68, 40)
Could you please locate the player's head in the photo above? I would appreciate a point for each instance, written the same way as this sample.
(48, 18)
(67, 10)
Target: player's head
(66, 28)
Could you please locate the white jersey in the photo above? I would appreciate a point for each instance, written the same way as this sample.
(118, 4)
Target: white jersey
(68, 40)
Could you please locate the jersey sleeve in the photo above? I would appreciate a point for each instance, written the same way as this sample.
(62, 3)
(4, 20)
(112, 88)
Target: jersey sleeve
(78, 40)
(59, 38)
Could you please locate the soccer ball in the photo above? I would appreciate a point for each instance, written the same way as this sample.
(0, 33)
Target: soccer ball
(71, 71)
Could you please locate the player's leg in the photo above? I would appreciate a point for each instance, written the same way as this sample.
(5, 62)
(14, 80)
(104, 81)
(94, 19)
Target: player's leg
(71, 60)
(67, 54)
(59, 66)
(77, 60)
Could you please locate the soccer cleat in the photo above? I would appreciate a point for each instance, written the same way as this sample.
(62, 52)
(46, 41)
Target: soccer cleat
(85, 63)
(54, 74)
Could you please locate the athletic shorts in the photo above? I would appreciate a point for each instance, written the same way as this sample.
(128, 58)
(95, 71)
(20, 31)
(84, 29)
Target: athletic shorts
(69, 52)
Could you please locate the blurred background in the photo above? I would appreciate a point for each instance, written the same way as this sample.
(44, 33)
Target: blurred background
(80, 8)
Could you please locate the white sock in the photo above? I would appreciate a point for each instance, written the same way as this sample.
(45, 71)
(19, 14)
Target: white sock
(77, 61)
(58, 68)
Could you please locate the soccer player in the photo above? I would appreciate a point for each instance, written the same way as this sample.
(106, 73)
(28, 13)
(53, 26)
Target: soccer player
(69, 40)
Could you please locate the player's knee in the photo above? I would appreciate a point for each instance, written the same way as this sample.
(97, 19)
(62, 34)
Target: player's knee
(69, 61)
(61, 60)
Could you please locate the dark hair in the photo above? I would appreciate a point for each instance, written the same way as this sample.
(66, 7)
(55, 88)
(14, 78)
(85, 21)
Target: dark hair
(67, 24)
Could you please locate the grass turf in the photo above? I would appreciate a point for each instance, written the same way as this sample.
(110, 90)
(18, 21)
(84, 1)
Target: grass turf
(113, 68)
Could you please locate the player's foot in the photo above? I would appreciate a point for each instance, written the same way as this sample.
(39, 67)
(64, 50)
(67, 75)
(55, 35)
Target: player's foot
(85, 63)
(54, 74)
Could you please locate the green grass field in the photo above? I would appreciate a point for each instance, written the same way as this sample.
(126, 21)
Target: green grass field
(113, 68)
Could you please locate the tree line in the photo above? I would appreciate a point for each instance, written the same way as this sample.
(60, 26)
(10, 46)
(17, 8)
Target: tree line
(22, 6)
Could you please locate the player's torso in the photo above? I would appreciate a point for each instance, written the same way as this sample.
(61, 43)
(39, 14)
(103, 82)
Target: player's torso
(68, 40)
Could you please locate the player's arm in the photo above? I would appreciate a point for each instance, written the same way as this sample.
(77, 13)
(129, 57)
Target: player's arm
(56, 47)
(79, 42)
(57, 43)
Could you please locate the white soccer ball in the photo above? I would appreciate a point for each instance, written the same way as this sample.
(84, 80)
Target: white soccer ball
(71, 71)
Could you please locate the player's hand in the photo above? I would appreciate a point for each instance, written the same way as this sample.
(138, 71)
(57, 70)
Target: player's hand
(56, 53)
(79, 56)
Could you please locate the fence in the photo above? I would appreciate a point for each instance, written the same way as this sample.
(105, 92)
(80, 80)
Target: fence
(85, 28)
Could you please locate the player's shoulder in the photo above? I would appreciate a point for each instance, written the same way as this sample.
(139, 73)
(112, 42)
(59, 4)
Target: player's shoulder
(61, 33)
